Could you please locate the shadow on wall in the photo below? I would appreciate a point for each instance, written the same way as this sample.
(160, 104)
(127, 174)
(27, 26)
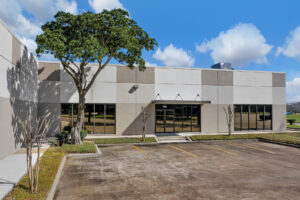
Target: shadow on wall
(136, 126)
(49, 95)
(22, 85)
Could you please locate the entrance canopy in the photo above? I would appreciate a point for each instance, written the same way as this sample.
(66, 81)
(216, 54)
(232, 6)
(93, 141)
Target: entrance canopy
(180, 102)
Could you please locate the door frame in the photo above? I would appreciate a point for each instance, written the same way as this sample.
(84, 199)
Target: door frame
(164, 120)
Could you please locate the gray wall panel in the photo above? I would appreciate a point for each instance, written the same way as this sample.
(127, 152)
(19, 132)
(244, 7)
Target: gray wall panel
(209, 77)
(225, 78)
(278, 80)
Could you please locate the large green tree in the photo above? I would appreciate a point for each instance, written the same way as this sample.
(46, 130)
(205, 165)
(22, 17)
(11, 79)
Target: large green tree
(77, 40)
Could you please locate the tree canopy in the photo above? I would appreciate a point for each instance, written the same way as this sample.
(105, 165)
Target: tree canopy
(77, 40)
(91, 37)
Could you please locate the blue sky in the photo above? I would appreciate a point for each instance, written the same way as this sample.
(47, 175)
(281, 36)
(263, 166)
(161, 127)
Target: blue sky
(251, 34)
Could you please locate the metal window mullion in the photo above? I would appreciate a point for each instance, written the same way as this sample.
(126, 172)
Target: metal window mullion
(191, 119)
(264, 116)
(241, 118)
(248, 117)
(94, 111)
(256, 117)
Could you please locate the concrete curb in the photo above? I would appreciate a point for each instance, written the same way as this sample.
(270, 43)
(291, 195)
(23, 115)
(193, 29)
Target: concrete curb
(56, 180)
(52, 192)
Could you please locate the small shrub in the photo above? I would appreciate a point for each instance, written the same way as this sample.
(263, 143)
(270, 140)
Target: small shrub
(83, 133)
(67, 128)
(63, 137)
(291, 121)
(54, 142)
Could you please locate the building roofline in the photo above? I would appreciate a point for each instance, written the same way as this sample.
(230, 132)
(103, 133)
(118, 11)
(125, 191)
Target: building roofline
(185, 68)
(11, 32)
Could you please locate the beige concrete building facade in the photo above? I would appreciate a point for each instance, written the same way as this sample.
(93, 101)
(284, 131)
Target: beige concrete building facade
(175, 100)
(168, 94)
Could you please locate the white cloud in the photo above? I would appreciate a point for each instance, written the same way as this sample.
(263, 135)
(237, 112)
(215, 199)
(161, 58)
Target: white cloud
(239, 45)
(172, 56)
(11, 14)
(67, 6)
(293, 90)
(99, 5)
(148, 64)
(291, 48)
(29, 43)
(46, 9)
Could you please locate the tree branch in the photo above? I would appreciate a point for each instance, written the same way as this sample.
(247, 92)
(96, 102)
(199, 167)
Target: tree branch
(100, 67)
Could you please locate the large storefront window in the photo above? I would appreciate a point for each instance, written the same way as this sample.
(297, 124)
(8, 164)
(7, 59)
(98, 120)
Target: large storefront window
(252, 117)
(172, 118)
(99, 118)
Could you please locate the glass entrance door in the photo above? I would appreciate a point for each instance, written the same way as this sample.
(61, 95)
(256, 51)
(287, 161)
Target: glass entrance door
(169, 121)
(165, 121)
(173, 118)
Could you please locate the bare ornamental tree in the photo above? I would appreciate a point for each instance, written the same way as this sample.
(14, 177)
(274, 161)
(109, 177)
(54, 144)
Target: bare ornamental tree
(229, 117)
(33, 132)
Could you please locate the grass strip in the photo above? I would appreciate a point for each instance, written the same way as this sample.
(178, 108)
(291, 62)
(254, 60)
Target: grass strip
(224, 137)
(288, 138)
(122, 140)
(49, 165)
(85, 147)
(293, 126)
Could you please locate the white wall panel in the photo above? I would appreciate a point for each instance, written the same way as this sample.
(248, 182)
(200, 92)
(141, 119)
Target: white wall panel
(225, 94)
(177, 76)
(123, 94)
(4, 66)
(252, 95)
(102, 93)
(6, 43)
(249, 78)
(145, 93)
(170, 91)
(210, 93)
(279, 96)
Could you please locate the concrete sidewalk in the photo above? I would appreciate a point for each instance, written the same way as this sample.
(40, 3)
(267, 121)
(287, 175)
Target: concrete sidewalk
(13, 168)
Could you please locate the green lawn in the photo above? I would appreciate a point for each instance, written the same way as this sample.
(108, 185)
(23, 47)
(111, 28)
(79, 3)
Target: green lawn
(122, 140)
(85, 147)
(296, 117)
(289, 138)
(292, 126)
(49, 165)
(225, 137)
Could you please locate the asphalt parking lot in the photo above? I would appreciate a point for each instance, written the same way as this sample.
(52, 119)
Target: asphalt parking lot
(210, 170)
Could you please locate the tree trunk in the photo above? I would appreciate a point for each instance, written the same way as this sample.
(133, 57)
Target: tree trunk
(80, 120)
(37, 166)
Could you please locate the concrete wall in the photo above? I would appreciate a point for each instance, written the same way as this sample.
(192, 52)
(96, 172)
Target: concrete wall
(115, 84)
(18, 86)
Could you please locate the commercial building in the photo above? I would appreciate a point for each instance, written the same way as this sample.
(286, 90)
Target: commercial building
(175, 100)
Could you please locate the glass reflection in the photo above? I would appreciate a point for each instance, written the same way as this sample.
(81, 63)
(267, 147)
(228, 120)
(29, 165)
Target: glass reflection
(66, 115)
(99, 118)
(237, 117)
(252, 117)
(177, 118)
